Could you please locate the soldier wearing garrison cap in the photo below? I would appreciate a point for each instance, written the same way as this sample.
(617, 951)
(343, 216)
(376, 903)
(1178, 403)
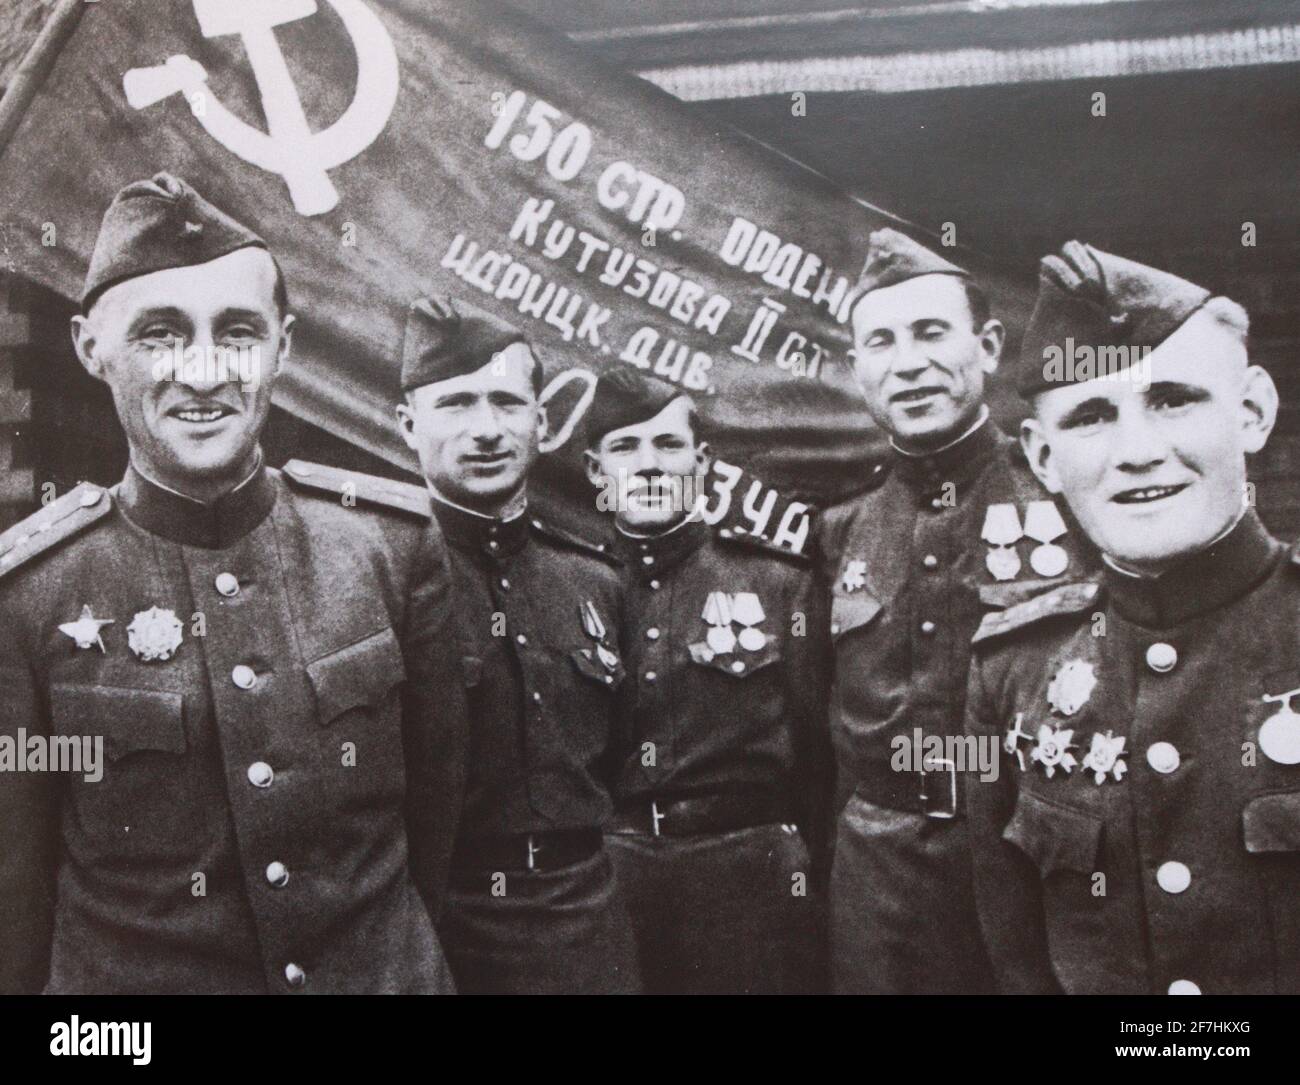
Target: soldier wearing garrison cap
(722, 770)
(1143, 835)
(533, 905)
(950, 524)
(261, 660)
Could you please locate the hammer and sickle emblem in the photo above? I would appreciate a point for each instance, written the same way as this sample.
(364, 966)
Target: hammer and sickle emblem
(289, 147)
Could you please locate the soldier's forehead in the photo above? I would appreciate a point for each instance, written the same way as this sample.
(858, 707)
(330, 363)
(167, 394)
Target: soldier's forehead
(913, 299)
(241, 279)
(674, 417)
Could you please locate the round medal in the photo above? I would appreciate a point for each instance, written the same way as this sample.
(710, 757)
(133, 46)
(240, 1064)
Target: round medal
(1279, 737)
(1049, 560)
(721, 639)
(1003, 562)
(752, 640)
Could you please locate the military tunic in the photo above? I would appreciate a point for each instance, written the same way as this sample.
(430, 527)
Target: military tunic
(726, 644)
(1144, 834)
(266, 674)
(909, 577)
(538, 613)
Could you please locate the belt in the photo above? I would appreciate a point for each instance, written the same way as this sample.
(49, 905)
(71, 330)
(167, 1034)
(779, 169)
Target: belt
(719, 813)
(930, 790)
(525, 852)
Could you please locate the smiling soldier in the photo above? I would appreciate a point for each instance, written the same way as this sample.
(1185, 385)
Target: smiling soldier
(533, 906)
(1144, 836)
(240, 638)
(952, 523)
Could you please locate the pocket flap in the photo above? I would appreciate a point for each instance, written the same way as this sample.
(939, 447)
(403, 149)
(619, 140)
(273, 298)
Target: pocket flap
(1055, 837)
(588, 665)
(738, 664)
(850, 612)
(1272, 822)
(128, 719)
(357, 676)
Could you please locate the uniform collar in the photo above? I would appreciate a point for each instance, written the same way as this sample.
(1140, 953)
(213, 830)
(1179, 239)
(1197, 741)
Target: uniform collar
(959, 462)
(212, 526)
(474, 532)
(652, 554)
(1216, 576)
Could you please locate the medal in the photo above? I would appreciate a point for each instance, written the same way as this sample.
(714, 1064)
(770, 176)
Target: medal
(1052, 750)
(1279, 735)
(1043, 524)
(717, 612)
(855, 575)
(1071, 687)
(1013, 739)
(154, 634)
(1104, 757)
(747, 610)
(1002, 531)
(595, 629)
(85, 631)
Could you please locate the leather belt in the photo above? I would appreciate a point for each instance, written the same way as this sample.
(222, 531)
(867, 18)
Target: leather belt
(525, 852)
(699, 815)
(932, 790)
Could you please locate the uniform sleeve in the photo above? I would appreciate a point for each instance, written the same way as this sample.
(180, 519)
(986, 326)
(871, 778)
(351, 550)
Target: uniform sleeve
(809, 675)
(29, 814)
(435, 723)
(1008, 892)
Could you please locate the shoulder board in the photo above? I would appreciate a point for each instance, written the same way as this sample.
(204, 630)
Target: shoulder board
(1067, 599)
(60, 520)
(740, 537)
(576, 542)
(335, 482)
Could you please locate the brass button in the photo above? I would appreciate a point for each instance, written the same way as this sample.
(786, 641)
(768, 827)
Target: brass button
(1162, 657)
(294, 976)
(90, 498)
(260, 774)
(930, 561)
(244, 677)
(738, 666)
(227, 584)
(1173, 877)
(277, 874)
(927, 628)
(1163, 757)
(650, 676)
(648, 559)
(652, 633)
(505, 584)
(654, 585)
(521, 639)
(537, 697)
(1184, 987)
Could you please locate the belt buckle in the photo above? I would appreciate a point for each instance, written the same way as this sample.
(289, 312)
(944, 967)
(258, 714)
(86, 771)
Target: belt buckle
(533, 849)
(951, 766)
(655, 816)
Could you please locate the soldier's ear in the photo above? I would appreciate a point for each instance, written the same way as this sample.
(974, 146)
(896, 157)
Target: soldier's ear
(1259, 408)
(703, 457)
(84, 337)
(286, 342)
(591, 462)
(406, 426)
(1039, 454)
(992, 338)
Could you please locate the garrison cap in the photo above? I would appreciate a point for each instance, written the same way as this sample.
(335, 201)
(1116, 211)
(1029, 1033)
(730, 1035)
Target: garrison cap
(158, 224)
(625, 397)
(893, 258)
(446, 338)
(1100, 301)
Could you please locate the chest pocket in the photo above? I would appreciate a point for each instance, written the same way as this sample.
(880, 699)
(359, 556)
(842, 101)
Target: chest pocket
(739, 664)
(587, 664)
(850, 612)
(1271, 823)
(130, 720)
(358, 676)
(1057, 838)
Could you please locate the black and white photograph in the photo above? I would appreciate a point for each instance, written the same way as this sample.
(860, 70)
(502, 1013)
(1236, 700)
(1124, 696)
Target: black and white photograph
(675, 498)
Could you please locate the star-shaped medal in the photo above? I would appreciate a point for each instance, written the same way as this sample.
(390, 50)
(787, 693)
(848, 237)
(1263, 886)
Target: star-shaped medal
(86, 629)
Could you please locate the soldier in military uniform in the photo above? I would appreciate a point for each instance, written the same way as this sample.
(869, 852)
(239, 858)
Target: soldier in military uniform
(533, 905)
(259, 652)
(1144, 834)
(952, 523)
(721, 782)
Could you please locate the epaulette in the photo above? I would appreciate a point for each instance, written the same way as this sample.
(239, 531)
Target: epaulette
(370, 489)
(567, 538)
(68, 516)
(740, 537)
(1067, 599)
